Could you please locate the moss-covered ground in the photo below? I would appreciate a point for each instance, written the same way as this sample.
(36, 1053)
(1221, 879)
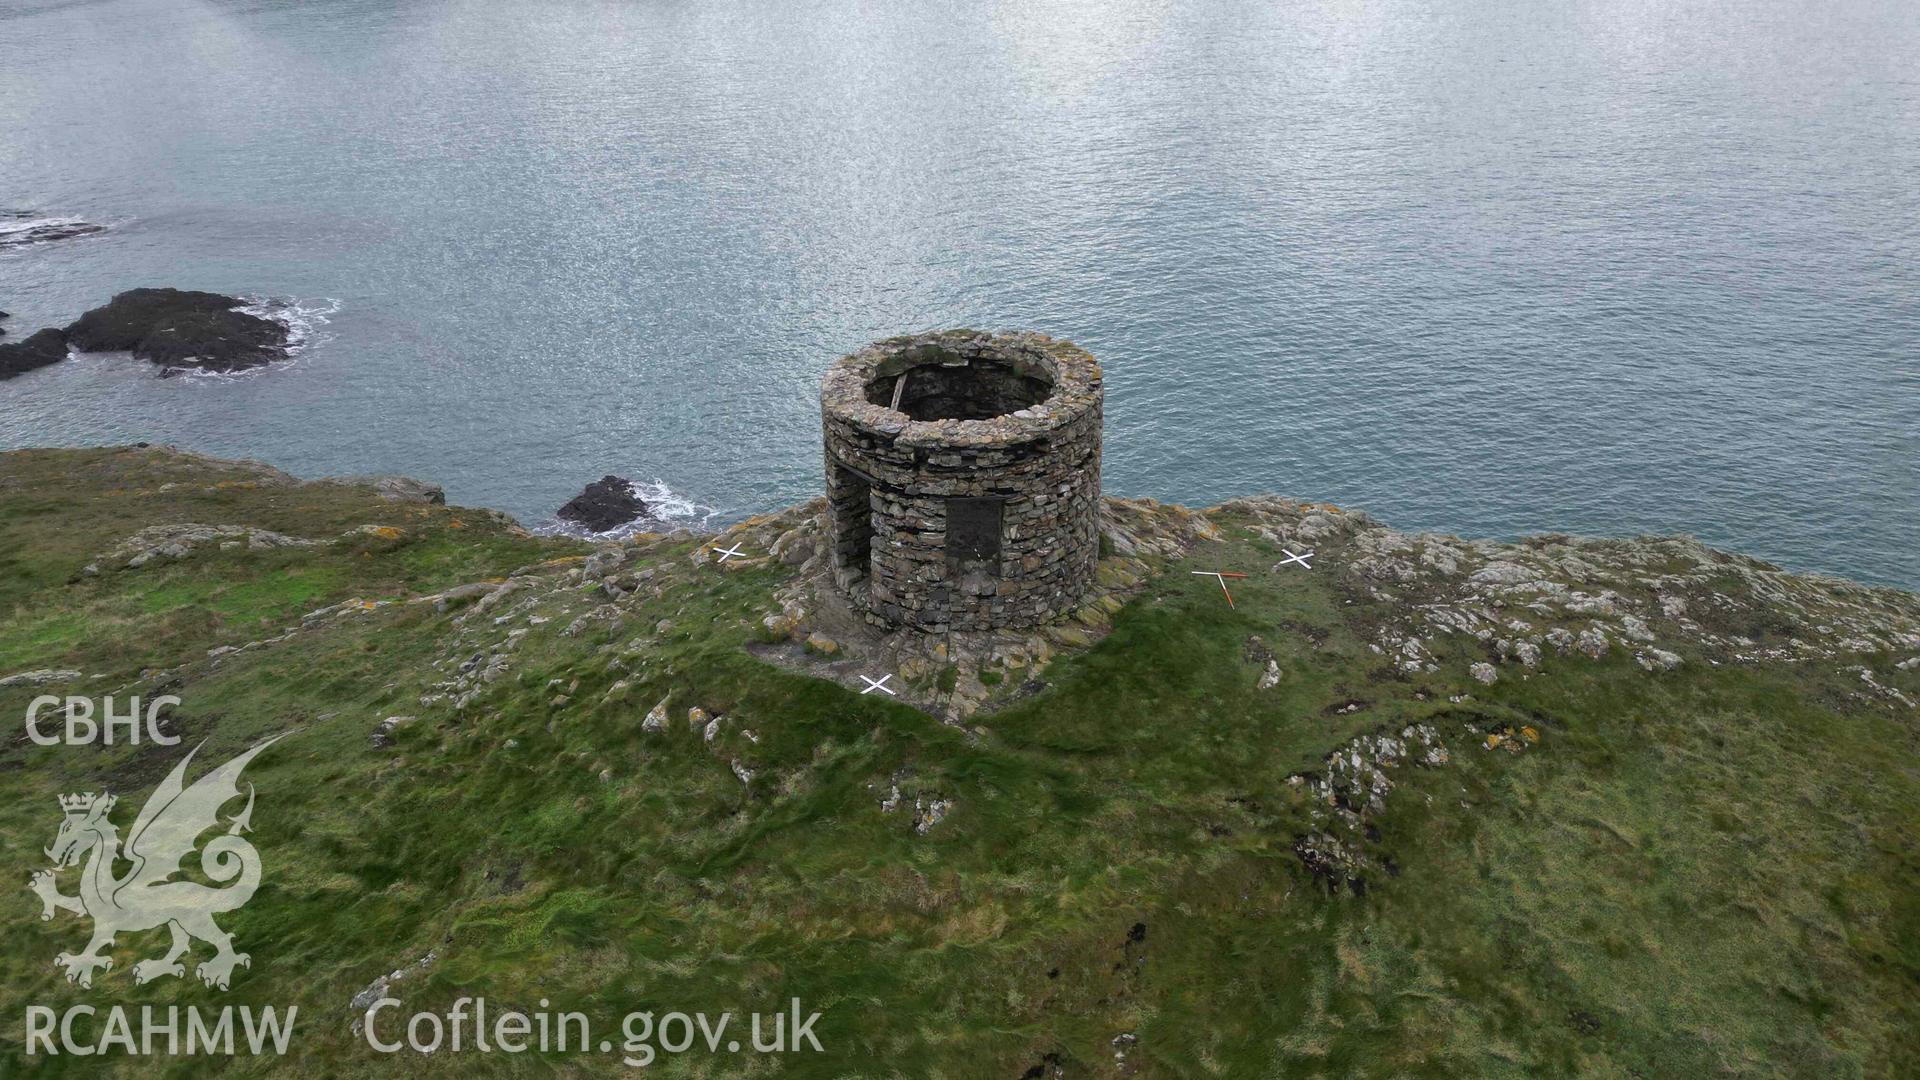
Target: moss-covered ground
(1708, 871)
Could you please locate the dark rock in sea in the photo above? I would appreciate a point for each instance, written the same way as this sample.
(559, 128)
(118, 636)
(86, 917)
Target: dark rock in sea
(132, 315)
(607, 503)
(19, 228)
(39, 350)
(180, 329)
(215, 341)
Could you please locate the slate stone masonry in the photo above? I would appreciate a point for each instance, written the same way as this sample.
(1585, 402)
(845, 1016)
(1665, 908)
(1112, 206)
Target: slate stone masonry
(963, 478)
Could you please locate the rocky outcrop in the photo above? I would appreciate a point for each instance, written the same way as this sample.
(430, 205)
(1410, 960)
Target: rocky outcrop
(605, 505)
(181, 330)
(401, 489)
(382, 987)
(168, 542)
(43, 677)
(126, 321)
(1571, 596)
(43, 349)
(23, 228)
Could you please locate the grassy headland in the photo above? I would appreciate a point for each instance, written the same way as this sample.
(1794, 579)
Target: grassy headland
(1678, 832)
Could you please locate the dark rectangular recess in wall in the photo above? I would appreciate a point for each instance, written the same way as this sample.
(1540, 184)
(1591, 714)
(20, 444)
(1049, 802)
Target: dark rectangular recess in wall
(973, 529)
(852, 509)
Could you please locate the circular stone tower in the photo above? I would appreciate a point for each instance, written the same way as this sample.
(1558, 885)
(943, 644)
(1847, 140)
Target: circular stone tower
(963, 478)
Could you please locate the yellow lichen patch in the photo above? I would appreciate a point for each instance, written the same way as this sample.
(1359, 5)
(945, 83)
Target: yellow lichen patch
(386, 532)
(456, 523)
(1513, 742)
(554, 564)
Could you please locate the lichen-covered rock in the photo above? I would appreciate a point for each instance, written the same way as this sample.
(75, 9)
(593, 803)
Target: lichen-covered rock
(602, 564)
(656, 718)
(383, 732)
(180, 541)
(930, 812)
(42, 677)
(1593, 642)
(1657, 659)
(400, 489)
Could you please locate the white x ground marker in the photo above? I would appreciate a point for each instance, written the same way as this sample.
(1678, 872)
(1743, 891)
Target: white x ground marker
(879, 684)
(730, 553)
(1222, 575)
(1292, 558)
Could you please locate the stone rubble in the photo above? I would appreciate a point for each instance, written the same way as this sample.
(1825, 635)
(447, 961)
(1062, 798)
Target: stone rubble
(1659, 599)
(383, 732)
(379, 988)
(42, 677)
(1353, 787)
(180, 541)
(928, 808)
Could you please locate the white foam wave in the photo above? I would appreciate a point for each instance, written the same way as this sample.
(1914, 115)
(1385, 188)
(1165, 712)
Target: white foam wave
(305, 321)
(26, 228)
(13, 223)
(666, 509)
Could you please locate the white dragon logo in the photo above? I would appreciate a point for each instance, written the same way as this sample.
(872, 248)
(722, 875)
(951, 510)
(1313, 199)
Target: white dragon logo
(172, 820)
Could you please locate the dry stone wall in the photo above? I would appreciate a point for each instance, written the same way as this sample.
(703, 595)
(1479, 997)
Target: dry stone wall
(974, 504)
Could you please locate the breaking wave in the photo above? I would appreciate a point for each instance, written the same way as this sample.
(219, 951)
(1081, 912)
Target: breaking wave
(666, 509)
(305, 321)
(28, 228)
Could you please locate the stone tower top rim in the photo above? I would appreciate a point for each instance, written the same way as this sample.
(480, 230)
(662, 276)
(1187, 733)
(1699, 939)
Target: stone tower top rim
(1073, 374)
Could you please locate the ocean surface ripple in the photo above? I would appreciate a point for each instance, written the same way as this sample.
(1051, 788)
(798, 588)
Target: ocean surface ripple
(1483, 266)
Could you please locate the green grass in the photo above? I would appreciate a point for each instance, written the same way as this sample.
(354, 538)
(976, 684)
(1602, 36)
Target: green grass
(1707, 871)
(281, 594)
